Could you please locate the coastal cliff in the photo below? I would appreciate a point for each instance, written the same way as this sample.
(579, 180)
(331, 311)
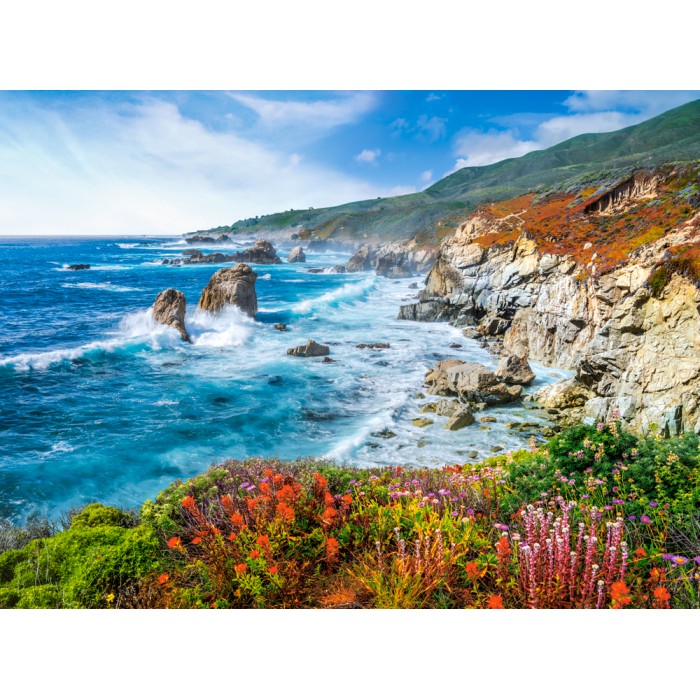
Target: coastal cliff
(601, 280)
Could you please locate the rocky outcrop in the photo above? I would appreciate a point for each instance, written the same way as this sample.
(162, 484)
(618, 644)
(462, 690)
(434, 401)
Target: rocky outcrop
(514, 369)
(262, 253)
(199, 238)
(460, 419)
(169, 309)
(471, 382)
(296, 255)
(311, 349)
(395, 260)
(232, 286)
(629, 330)
(79, 266)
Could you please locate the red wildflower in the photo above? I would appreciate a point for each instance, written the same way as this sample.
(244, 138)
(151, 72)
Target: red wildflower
(503, 547)
(472, 569)
(662, 597)
(265, 488)
(618, 593)
(347, 500)
(227, 504)
(196, 540)
(331, 549)
(657, 575)
(268, 473)
(273, 570)
(188, 503)
(175, 543)
(278, 479)
(251, 503)
(328, 499)
(328, 515)
(231, 537)
(641, 552)
(241, 569)
(495, 602)
(163, 578)
(263, 541)
(255, 554)
(320, 481)
(237, 519)
(286, 493)
(285, 512)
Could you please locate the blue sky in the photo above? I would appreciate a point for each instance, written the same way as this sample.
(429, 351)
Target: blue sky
(168, 162)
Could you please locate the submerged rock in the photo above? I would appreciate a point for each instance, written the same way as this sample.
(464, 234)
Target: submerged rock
(311, 349)
(460, 419)
(79, 266)
(296, 255)
(169, 309)
(280, 326)
(234, 286)
(421, 422)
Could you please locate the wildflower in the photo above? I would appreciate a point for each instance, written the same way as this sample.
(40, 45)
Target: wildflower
(241, 569)
(331, 549)
(255, 554)
(662, 596)
(501, 527)
(495, 602)
(618, 592)
(641, 552)
(328, 515)
(163, 578)
(188, 503)
(237, 519)
(231, 537)
(645, 519)
(471, 568)
(175, 543)
(697, 560)
(285, 512)
(109, 597)
(273, 570)
(196, 540)
(632, 518)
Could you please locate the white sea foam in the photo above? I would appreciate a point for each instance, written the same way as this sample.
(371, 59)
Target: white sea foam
(229, 328)
(268, 276)
(108, 286)
(348, 292)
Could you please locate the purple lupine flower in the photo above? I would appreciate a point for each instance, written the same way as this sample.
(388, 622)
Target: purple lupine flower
(607, 507)
(470, 511)
(668, 557)
(653, 504)
(645, 519)
(245, 484)
(455, 513)
(617, 501)
(265, 480)
(632, 518)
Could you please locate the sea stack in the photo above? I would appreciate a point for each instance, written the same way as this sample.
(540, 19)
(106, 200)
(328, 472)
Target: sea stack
(169, 309)
(297, 255)
(234, 286)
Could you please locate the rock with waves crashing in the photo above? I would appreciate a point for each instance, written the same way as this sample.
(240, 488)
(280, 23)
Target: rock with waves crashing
(361, 261)
(262, 253)
(79, 266)
(311, 349)
(234, 286)
(296, 255)
(169, 309)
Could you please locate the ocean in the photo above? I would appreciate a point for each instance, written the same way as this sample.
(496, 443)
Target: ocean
(100, 403)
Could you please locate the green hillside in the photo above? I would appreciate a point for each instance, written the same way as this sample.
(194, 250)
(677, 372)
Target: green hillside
(672, 136)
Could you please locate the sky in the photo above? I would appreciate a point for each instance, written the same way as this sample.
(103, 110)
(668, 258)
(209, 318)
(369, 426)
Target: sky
(123, 163)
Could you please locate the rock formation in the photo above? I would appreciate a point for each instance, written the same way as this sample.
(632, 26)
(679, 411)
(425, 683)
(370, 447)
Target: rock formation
(79, 266)
(622, 312)
(169, 309)
(262, 253)
(397, 259)
(234, 286)
(513, 369)
(311, 349)
(296, 255)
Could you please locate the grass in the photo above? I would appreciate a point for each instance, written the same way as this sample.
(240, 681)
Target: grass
(598, 517)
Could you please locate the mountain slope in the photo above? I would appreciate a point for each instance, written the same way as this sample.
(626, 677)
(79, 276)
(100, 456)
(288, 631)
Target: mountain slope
(429, 215)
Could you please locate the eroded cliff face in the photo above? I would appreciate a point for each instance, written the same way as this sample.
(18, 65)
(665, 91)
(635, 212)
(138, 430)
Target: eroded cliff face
(630, 328)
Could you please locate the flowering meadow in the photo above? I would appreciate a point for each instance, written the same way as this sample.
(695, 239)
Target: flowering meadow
(595, 518)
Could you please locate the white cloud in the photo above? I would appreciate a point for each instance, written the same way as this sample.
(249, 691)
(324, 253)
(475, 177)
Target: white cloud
(368, 156)
(319, 114)
(643, 101)
(475, 147)
(402, 189)
(145, 168)
(431, 128)
(426, 175)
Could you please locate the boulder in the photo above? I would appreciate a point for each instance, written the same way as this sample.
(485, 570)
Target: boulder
(361, 261)
(447, 407)
(234, 286)
(515, 370)
(421, 422)
(79, 266)
(296, 255)
(394, 265)
(436, 379)
(460, 419)
(280, 326)
(169, 309)
(311, 349)
(262, 253)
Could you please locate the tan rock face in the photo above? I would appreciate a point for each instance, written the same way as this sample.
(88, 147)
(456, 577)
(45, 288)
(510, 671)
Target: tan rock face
(296, 255)
(633, 354)
(311, 349)
(233, 286)
(169, 309)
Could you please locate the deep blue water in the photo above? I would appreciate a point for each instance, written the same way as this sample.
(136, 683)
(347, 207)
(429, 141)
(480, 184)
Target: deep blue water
(99, 403)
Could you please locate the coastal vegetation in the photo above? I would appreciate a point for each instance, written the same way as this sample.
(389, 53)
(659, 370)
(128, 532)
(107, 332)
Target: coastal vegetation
(598, 517)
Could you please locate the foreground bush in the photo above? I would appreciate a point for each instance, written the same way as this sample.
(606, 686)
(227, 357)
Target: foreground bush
(598, 518)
